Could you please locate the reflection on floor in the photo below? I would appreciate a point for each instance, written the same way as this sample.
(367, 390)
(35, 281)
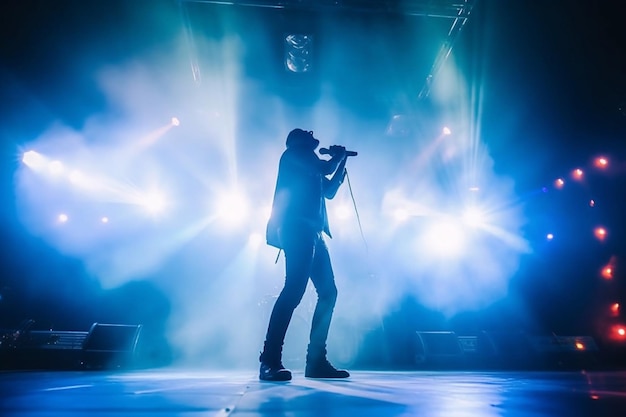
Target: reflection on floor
(177, 392)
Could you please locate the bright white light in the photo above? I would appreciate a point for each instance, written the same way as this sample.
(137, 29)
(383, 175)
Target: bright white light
(473, 216)
(445, 239)
(153, 202)
(63, 218)
(55, 167)
(549, 236)
(446, 131)
(33, 159)
(104, 220)
(175, 121)
(232, 207)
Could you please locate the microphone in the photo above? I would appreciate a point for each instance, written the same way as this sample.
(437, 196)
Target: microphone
(325, 151)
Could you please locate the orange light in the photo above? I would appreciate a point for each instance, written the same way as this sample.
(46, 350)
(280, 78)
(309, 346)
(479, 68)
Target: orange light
(577, 174)
(559, 183)
(607, 272)
(580, 346)
(600, 233)
(601, 162)
(615, 309)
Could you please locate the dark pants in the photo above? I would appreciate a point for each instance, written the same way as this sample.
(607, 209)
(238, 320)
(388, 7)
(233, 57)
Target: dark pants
(306, 256)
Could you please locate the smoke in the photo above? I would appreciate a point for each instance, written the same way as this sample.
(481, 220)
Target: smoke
(232, 129)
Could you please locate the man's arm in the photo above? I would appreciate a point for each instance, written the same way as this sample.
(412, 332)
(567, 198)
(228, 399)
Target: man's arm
(332, 185)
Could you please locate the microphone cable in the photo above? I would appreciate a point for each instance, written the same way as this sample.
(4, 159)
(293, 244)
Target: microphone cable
(356, 210)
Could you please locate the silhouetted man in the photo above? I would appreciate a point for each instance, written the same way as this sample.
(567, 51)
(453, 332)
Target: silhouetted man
(296, 225)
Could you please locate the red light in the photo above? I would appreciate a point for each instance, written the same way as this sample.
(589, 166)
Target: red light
(600, 233)
(618, 333)
(607, 272)
(615, 309)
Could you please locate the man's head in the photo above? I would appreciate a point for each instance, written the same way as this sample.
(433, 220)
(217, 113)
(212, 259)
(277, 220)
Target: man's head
(302, 139)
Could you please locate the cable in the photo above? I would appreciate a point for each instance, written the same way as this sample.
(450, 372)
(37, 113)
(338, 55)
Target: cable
(358, 218)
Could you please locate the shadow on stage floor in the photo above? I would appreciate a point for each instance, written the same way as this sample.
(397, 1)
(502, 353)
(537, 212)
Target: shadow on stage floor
(183, 392)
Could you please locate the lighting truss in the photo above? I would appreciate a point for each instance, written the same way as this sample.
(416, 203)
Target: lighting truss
(457, 11)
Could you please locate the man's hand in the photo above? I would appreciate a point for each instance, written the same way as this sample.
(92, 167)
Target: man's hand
(338, 151)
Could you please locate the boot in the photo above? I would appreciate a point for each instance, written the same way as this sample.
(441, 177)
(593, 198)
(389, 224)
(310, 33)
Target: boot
(272, 369)
(317, 366)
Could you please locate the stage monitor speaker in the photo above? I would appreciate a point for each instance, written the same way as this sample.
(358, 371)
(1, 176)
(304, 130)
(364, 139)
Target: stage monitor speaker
(566, 352)
(440, 348)
(110, 345)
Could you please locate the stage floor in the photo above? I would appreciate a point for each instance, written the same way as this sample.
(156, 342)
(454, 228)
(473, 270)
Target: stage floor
(178, 392)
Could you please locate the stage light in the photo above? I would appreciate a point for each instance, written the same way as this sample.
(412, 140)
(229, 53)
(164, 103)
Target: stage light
(445, 239)
(601, 162)
(446, 131)
(577, 174)
(615, 309)
(592, 203)
(474, 189)
(600, 233)
(549, 236)
(559, 183)
(607, 272)
(104, 220)
(153, 202)
(473, 216)
(617, 332)
(62, 218)
(232, 207)
(298, 52)
(579, 345)
(33, 159)
(175, 121)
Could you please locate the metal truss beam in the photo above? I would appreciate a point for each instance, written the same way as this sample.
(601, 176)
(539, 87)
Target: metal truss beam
(448, 9)
(458, 11)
